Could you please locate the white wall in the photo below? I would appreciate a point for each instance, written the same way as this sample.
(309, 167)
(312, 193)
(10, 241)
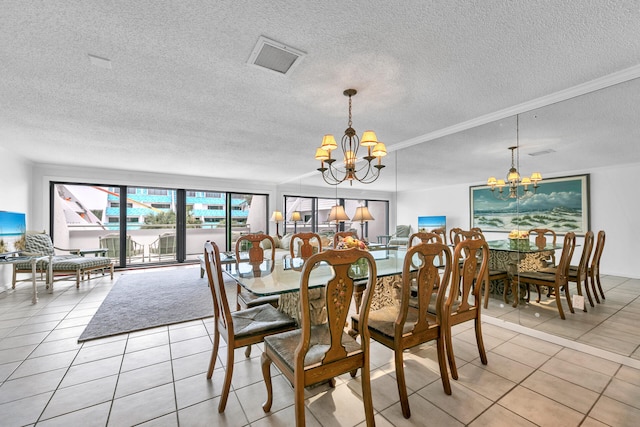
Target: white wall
(14, 195)
(614, 208)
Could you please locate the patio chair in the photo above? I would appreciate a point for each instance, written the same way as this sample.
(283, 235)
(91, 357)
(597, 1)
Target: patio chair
(401, 236)
(163, 246)
(65, 265)
(111, 242)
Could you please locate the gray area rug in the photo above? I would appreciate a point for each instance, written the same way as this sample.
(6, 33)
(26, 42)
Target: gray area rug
(140, 301)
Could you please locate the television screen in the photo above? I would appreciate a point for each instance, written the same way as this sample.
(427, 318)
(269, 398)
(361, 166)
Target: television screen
(12, 228)
(427, 223)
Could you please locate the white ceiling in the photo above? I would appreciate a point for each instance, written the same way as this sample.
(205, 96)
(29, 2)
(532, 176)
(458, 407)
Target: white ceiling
(180, 97)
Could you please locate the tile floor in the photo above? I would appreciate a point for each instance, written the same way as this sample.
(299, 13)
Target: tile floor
(157, 377)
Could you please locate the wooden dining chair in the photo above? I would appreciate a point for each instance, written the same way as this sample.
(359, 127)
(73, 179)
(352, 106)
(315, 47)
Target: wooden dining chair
(318, 353)
(577, 273)
(557, 280)
(442, 232)
(541, 239)
(305, 247)
(250, 250)
(494, 274)
(340, 235)
(240, 328)
(463, 303)
(416, 319)
(594, 268)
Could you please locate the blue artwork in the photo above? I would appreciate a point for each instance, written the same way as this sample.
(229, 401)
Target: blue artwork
(426, 223)
(560, 204)
(12, 227)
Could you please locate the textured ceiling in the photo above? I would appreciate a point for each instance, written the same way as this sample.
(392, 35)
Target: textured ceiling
(180, 97)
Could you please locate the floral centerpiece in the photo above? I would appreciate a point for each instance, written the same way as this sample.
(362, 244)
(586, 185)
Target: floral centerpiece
(519, 239)
(360, 268)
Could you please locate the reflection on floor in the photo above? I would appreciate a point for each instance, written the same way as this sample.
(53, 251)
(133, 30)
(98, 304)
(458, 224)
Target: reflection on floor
(157, 376)
(611, 325)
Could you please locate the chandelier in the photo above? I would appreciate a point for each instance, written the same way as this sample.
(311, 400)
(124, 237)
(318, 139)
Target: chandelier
(369, 172)
(513, 177)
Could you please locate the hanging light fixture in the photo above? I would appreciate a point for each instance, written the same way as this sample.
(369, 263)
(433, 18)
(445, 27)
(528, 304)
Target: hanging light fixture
(513, 177)
(334, 175)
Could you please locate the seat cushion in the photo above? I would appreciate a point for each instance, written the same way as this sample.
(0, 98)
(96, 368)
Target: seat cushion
(285, 344)
(257, 320)
(249, 299)
(82, 263)
(44, 263)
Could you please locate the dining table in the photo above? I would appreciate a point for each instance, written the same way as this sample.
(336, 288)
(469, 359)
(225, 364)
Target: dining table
(282, 277)
(515, 256)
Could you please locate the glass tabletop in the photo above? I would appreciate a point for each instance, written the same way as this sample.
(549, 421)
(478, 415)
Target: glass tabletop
(520, 245)
(282, 276)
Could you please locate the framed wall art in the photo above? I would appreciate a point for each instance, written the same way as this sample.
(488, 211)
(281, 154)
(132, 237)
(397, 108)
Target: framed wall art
(561, 204)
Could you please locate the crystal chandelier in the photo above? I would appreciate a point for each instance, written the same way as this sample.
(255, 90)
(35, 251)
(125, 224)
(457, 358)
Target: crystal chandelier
(369, 172)
(513, 177)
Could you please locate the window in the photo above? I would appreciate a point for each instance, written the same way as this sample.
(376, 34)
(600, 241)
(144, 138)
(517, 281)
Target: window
(161, 205)
(157, 192)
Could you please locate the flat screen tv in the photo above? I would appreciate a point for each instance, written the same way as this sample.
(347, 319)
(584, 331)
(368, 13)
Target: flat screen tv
(12, 227)
(427, 223)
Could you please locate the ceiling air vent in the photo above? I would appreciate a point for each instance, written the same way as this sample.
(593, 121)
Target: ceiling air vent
(275, 56)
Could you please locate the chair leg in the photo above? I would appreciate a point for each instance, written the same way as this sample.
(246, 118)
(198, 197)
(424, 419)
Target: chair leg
(442, 361)
(480, 341)
(227, 380)
(588, 278)
(566, 293)
(600, 286)
(214, 354)
(299, 400)
(450, 356)
(266, 374)
(485, 296)
(366, 395)
(401, 383)
(506, 283)
(537, 290)
(559, 303)
(247, 351)
(588, 291)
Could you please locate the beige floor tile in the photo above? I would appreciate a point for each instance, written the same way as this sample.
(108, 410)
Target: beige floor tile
(144, 378)
(169, 420)
(590, 422)
(505, 367)
(539, 409)
(588, 361)
(253, 396)
(189, 332)
(194, 364)
(463, 404)
(624, 392)
(286, 418)
(192, 346)
(337, 407)
(25, 387)
(146, 405)
(93, 416)
(147, 341)
(421, 411)
(498, 416)
(102, 351)
(84, 395)
(521, 354)
(561, 391)
(628, 374)
(536, 344)
(484, 382)
(92, 370)
(139, 359)
(24, 412)
(615, 413)
(575, 374)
